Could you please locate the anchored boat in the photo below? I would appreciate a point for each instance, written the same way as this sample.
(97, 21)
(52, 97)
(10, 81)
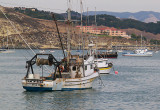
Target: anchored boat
(73, 72)
(103, 66)
(139, 53)
(100, 63)
(73, 77)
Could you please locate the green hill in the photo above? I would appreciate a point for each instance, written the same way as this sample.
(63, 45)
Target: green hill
(106, 20)
(112, 21)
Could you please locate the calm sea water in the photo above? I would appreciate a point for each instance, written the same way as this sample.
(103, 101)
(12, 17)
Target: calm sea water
(136, 87)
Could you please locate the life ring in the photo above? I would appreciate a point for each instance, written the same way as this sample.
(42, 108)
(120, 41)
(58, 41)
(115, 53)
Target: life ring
(110, 64)
(41, 85)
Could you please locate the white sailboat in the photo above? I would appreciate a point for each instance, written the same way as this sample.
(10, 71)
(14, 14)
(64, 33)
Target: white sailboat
(7, 49)
(71, 73)
(139, 52)
(41, 51)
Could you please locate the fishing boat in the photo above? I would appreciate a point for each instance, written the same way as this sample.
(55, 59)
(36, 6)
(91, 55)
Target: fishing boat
(76, 78)
(2, 50)
(103, 66)
(76, 74)
(73, 72)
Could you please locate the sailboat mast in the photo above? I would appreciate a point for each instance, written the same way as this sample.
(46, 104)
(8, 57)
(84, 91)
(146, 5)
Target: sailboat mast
(7, 39)
(141, 41)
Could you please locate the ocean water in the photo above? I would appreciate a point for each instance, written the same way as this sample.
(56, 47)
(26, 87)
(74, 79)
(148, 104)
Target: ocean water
(136, 87)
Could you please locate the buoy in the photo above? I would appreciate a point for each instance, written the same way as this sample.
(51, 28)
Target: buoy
(116, 72)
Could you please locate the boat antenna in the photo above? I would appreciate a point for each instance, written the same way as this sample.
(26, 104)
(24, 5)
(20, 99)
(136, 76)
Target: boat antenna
(96, 25)
(87, 16)
(81, 6)
(53, 15)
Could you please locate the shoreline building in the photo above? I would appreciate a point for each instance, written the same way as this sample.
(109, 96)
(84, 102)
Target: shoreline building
(103, 30)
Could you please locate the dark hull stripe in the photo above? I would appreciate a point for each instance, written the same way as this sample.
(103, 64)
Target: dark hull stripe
(37, 88)
(50, 89)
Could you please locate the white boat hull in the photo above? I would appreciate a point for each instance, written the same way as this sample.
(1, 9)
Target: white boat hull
(103, 66)
(59, 84)
(137, 55)
(105, 70)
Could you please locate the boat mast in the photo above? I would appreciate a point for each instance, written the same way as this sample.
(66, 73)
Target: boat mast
(96, 34)
(81, 6)
(68, 33)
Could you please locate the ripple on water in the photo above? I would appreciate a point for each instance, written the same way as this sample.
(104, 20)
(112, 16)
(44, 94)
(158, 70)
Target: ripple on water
(136, 87)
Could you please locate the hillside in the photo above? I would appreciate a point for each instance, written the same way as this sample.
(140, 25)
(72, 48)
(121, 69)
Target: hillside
(144, 16)
(40, 33)
(36, 31)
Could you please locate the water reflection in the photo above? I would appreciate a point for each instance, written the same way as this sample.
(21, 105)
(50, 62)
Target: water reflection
(78, 100)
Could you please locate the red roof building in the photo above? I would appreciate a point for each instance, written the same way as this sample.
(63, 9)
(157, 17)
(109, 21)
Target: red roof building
(111, 31)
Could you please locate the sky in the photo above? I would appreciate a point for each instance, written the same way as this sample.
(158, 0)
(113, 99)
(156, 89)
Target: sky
(60, 6)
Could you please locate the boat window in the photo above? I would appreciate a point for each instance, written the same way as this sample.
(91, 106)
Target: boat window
(85, 67)
(74, 68)
(91, 66)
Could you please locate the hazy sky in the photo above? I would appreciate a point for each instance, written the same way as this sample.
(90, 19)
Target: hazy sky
(101, 5)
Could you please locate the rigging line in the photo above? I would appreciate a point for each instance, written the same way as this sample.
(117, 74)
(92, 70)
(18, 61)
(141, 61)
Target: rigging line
(33, 44)
(14, 46)
(28, 53)
(58, 34)
(20, 35)
(17, 31)
(101, 79)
